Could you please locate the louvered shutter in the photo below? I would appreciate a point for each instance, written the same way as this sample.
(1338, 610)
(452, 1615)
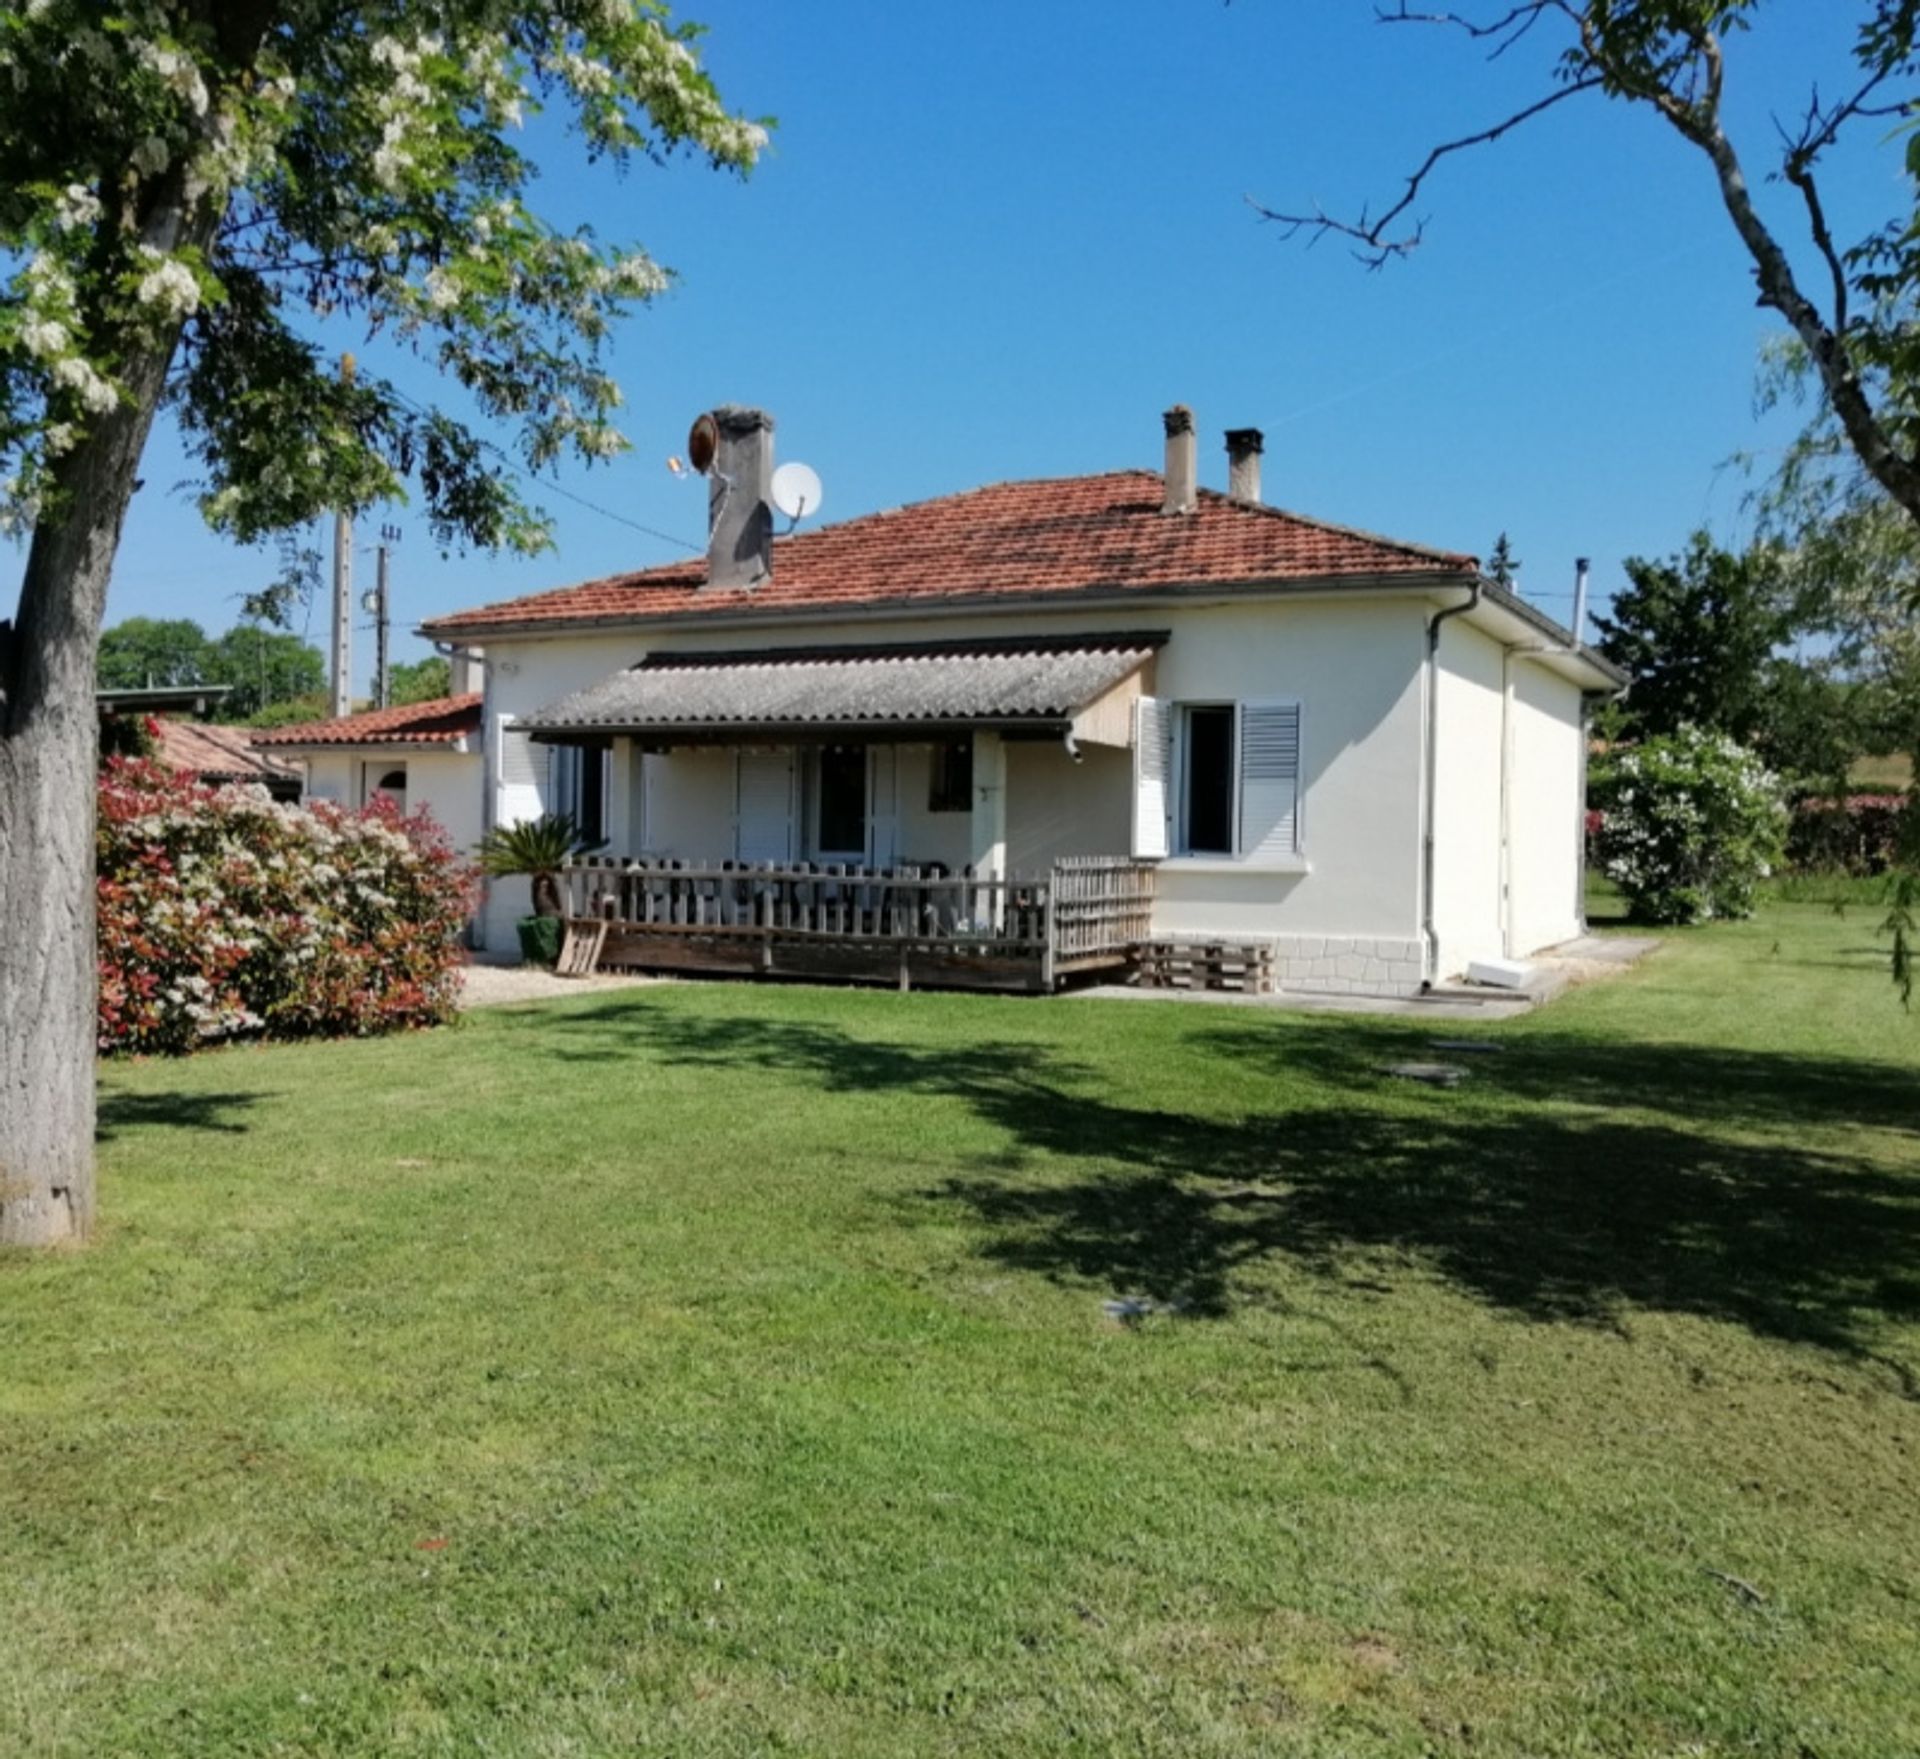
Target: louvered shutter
(1152, 777)
(518, 780)
(1269, 779)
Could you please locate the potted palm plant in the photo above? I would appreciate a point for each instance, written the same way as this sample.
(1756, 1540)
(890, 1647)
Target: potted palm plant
(538, 848)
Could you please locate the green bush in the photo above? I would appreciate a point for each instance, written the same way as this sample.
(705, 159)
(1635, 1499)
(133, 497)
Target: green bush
(540, 939)
(1690, 824)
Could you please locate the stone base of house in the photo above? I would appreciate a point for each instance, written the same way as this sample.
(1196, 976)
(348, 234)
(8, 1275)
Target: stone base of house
(1346, 965)
(1308, 964)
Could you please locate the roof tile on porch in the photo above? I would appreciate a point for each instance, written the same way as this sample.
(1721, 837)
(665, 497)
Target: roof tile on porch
(1038, 682)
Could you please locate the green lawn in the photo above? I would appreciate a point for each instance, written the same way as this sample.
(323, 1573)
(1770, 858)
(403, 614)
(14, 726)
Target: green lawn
(720, 1369)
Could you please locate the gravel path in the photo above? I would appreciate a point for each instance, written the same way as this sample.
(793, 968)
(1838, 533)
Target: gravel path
(489, 986)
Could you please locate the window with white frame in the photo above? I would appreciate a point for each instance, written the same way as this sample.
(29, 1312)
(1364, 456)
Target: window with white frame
(1217, 780)
(578, 781)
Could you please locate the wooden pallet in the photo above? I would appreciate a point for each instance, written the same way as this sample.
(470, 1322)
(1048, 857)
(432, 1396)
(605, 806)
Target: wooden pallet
(1229, 965)
(580, 951)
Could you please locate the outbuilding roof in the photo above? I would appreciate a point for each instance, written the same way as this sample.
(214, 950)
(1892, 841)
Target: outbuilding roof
(1010, 683)
(221, 754)
(443, 720)
(1047, 540)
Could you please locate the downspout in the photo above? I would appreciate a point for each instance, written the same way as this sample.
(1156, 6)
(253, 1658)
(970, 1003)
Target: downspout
(1428, 927)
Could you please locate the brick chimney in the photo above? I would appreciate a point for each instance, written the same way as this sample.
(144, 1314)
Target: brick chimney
(739, 499)
(1183, 493)
(1244, 446)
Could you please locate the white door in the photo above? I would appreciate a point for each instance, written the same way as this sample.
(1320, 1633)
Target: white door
(763, 806)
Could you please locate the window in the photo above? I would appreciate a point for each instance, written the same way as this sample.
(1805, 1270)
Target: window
(1217, 780)
(384, 778)
(950, 788)
(843, 802)
(579, 778)
(1206, 779)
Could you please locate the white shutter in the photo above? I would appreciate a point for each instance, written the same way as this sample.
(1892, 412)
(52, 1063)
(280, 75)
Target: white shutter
(1152, 777)
(883, 812)
(517, 775)
(1269, 779)
(763, 806)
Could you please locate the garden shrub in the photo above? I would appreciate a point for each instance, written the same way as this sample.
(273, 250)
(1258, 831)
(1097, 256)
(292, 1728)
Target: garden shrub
(222, 911)
(1860, 834)
(1690, 823)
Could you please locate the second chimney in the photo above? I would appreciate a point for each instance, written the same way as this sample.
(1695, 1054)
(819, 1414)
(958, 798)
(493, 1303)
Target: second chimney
(739, 496)
(1244, 446)
(1183, 470)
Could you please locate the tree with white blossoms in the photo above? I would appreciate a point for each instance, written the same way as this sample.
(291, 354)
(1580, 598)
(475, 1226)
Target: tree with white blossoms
(195, 195)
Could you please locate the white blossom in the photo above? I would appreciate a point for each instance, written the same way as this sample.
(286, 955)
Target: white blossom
(171, 286)
(78, 376)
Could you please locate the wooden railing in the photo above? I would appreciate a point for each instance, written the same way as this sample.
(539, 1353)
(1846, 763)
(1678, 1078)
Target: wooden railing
(1102, 906)
(1086, 910)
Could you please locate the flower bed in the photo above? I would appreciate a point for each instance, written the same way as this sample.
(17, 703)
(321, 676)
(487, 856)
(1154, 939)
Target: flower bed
(223, 912)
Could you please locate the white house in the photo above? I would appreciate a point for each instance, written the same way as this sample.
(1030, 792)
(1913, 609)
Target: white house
(1357, 751)
(424, 754)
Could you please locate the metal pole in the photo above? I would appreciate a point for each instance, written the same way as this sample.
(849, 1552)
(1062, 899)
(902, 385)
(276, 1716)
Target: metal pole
(382, 683)
(1580, 600)
(341, 678)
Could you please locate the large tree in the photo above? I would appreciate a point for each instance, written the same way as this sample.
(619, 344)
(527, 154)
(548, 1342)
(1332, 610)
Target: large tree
(141, 652)
(199, 200)
(1849, 302)
(1698, 633)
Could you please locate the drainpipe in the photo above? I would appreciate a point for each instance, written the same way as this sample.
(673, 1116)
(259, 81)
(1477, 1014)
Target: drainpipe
(1428, 927)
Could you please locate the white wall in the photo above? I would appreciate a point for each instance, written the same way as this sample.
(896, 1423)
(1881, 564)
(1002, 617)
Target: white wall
(1466, 889)
(1354, 665)
(1544, 858)
(1058, 807)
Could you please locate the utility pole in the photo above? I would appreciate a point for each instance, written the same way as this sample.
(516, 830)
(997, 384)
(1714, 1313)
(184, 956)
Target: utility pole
(342, 673)
(382, 608)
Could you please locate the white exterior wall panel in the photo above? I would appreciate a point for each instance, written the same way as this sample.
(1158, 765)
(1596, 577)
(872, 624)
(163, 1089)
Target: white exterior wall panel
(1546, 854)
(1466, 879)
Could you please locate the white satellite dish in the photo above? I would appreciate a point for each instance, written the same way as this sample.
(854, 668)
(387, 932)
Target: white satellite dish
(796, 490)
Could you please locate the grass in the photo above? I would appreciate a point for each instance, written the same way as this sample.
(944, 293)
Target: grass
(718, 1369)
(1893, 772)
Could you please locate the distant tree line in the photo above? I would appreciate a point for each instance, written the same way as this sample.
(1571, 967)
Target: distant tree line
(272, 677)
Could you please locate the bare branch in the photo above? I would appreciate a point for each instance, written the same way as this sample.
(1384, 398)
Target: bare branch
(1371, 235)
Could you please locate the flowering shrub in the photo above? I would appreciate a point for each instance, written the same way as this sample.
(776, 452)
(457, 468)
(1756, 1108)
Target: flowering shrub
(1690, 822)
(1860, 834)
(222, 911)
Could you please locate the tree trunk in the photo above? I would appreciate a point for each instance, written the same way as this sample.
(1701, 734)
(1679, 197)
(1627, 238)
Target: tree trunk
(49, 739)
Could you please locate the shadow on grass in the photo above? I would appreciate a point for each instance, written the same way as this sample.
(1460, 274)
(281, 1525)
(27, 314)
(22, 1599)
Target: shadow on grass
(1691, 1083)
(1551, 1213)
(173, 1111)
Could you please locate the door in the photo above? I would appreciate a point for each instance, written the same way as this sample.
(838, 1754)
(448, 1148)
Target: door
(763, 806)
(840, 804)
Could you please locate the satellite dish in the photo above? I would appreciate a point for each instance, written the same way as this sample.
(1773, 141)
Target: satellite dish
(796, 490)
(703, 442)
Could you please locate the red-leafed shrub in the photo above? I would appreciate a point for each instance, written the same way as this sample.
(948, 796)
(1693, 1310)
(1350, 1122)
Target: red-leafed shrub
(221, 911)
(1860, 834)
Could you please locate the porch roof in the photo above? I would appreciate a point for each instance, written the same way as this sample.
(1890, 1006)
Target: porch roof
(1037, 683)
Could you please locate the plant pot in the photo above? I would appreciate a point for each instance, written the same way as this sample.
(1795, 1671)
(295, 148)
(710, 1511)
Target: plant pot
(540, 939)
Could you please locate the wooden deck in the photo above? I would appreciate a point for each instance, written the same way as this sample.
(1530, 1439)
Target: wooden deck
(902, 925)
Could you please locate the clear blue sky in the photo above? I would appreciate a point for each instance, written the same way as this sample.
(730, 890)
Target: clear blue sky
(996, 241)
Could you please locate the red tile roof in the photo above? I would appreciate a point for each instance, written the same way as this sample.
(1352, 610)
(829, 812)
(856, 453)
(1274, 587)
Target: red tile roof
(443, 721)
(1082, 534)
(219, 753)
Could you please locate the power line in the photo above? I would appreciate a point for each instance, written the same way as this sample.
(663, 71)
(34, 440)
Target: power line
(665, 537)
